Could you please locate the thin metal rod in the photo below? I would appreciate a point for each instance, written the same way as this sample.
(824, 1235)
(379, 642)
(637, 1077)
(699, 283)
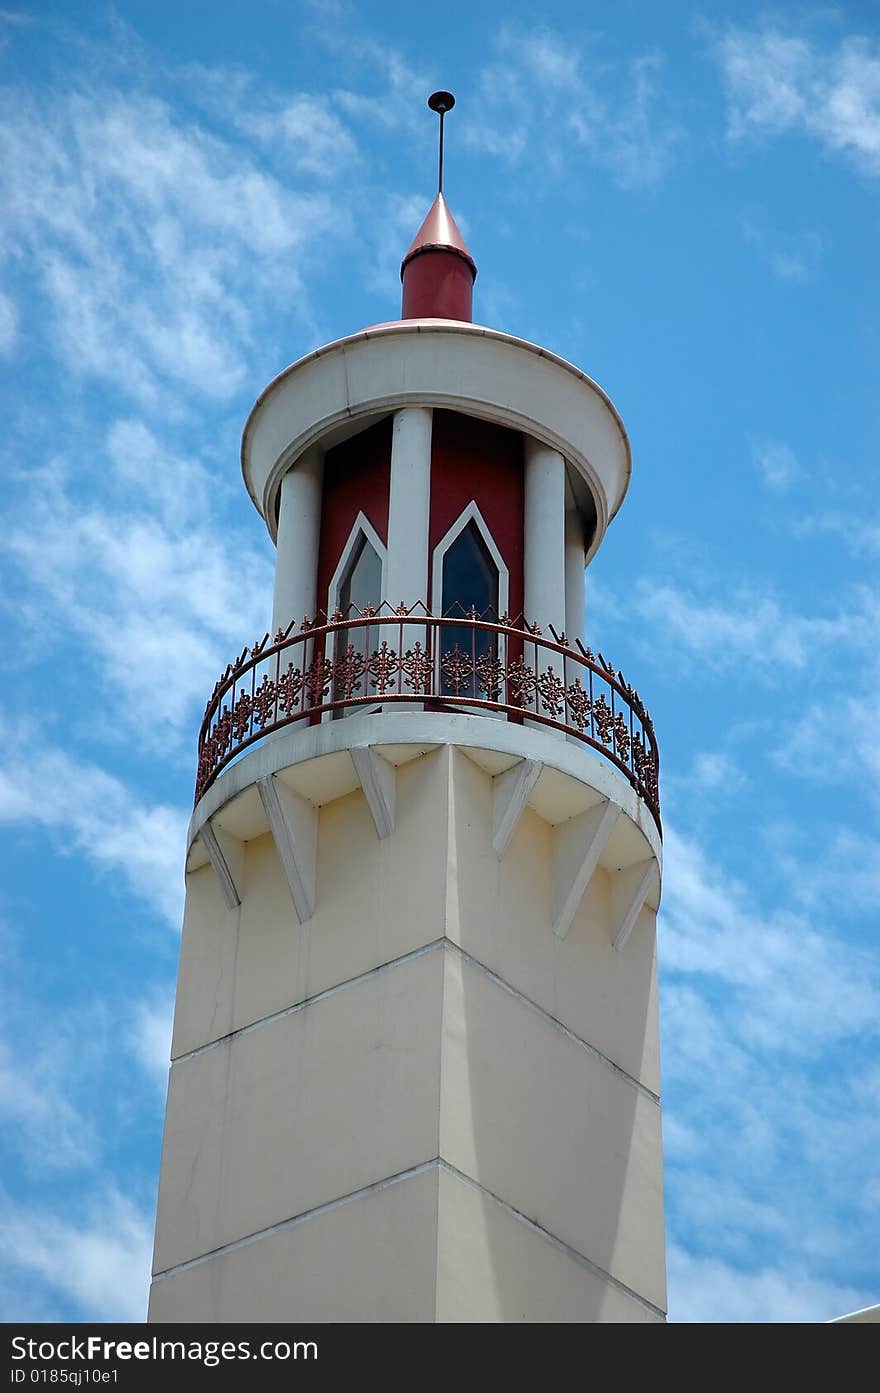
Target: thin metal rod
(441, 102)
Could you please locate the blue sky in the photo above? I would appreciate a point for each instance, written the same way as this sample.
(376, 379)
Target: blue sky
(680, 199)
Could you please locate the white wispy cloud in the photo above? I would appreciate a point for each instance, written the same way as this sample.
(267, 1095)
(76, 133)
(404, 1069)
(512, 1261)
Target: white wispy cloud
(710, 1290)
(68, 1094)
(137, 228)
(146, 574)
(840, 876)
(633, 140)
(301, 131)
(149, 1036)
(859, 532)
(770, 1020)
(99, 1260)
(751, 626)
(51, 1055)
(562, 110)
(385, 88)
(394, 230)
(792, 258)
(776, 464)
(150, 476)
(713, 769)
(835, 740)
(825, 665)
(713, 774)
(801, 988)
(10, 20)
(88, 811)
(47, 1130)
(312, 137)
(779, 81)
(8, 325)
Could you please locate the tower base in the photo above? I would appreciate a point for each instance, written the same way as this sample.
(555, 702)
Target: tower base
(435, 1099)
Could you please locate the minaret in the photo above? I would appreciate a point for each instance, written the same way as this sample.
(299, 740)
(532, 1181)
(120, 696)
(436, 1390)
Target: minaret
(415, 1061)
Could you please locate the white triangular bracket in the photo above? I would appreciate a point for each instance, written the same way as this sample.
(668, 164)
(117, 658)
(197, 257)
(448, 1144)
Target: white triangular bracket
(378, 779)
(629, 890)
(226, 854)
(577, 847)
(293, 823)
(510, 793)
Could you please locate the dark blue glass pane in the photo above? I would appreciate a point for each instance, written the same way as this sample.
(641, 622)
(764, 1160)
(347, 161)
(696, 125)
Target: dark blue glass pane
(470, 576)
(363, 578)
(470, 582)
(361, 586)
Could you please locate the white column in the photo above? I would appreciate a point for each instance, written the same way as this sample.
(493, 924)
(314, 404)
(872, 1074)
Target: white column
(299, 529)
(409, 512)
(574, 576)
(544, 561)
(575, 626)
(409, 507)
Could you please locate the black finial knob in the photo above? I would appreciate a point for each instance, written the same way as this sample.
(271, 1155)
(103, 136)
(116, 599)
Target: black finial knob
(441, 102)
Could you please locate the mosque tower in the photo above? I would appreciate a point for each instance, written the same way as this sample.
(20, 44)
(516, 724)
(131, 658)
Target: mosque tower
(415, 1060)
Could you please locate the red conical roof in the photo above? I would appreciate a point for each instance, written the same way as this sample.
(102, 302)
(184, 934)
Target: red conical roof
(439, 233)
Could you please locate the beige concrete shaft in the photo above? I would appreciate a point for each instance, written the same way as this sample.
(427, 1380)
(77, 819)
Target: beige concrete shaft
(421, 1103)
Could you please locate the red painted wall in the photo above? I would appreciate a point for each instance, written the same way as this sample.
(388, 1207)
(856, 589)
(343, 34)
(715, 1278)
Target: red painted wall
(473, 460)
(357, 476)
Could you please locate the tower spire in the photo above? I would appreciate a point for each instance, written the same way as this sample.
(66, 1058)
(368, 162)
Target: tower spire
(438, 271)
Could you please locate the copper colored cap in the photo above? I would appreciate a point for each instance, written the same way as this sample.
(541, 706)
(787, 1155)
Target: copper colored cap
(439, 233)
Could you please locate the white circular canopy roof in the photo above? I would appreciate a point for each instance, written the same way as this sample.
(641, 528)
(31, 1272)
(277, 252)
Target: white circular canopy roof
(337, 390)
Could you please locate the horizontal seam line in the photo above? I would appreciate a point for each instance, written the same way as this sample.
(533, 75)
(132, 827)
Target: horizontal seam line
(372, 1189)
(554, 1021)
(448, 945)
(310, 1000)
(574, 1253)
(376, 1187)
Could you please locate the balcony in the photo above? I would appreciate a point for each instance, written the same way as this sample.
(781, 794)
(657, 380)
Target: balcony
(377, 659)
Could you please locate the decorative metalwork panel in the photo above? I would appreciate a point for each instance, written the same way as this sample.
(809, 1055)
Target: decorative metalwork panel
(381, 657)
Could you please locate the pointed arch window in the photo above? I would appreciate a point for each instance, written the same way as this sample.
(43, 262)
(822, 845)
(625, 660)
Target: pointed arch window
(359, 576)
(361, 583)
(357, 583)
(469, 575)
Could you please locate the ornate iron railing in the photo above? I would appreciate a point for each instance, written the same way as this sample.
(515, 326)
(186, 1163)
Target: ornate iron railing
(377, 658)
